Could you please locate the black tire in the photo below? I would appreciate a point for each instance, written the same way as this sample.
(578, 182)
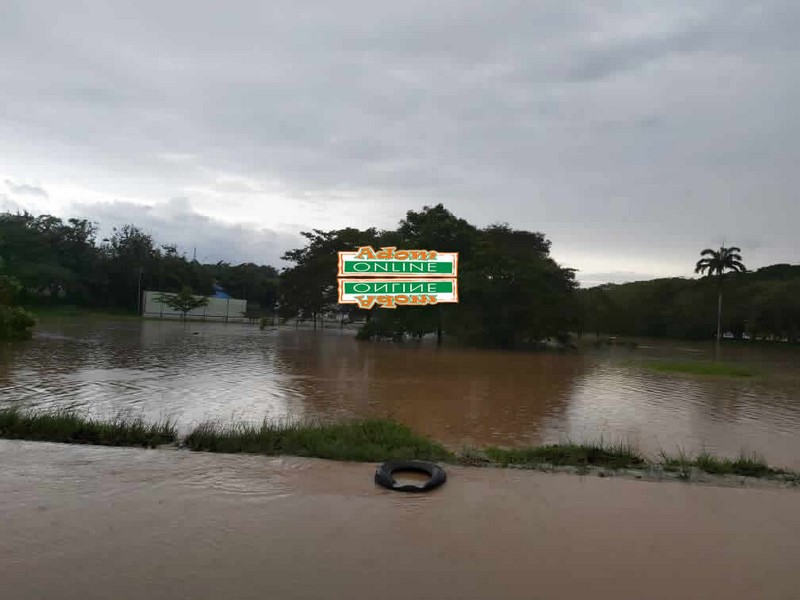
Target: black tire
(385, 475)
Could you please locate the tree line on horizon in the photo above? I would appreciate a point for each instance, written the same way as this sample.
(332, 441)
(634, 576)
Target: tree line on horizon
(58, 262)
(760, 304)
(513, 294)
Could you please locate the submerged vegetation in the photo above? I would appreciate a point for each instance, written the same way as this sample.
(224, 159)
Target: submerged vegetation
(598, 454)
(748, 465)
(512, 293)
(703, 368)
(368, 440)
(68, 427)
(15, 322)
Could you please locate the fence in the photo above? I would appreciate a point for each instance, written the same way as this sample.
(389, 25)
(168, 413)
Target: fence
(218, 309)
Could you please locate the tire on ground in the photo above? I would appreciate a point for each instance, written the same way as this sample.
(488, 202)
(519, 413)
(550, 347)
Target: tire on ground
(384, 475)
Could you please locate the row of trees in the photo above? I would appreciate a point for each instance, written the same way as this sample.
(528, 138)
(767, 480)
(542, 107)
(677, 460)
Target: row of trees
(758, 304)
(65, 262)
(512, 293)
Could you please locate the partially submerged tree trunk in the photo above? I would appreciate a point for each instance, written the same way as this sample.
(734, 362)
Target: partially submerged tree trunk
(439, 326)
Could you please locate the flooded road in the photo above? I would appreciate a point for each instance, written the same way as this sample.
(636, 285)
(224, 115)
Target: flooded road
(89, 523)
(461, 397)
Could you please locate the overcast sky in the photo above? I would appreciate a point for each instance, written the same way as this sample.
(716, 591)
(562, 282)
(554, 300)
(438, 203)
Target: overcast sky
(632, 133)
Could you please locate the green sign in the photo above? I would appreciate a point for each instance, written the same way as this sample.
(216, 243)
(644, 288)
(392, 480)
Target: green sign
(398, 287)
(410, 267)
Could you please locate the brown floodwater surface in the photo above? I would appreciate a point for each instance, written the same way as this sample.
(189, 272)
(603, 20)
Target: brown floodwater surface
(461, 397)
(86, 523)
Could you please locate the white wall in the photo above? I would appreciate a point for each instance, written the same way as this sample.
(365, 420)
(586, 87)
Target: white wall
(218, 309)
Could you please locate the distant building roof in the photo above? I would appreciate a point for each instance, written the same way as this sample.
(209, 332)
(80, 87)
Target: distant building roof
(219, 292)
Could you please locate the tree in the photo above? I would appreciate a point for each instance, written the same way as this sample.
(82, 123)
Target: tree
(715, 264)
(15, 323)
(308, 289)
(514, 295)
(184, 301)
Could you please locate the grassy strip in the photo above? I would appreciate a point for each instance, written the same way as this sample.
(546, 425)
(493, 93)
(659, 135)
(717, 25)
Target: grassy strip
(702, 368)
(614, 456)
(68, 427)
(750, 465)
(370, 440)
(70, 311)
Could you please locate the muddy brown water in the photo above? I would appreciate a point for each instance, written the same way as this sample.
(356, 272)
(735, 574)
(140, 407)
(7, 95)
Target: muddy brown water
(85, 523)
(461, 397)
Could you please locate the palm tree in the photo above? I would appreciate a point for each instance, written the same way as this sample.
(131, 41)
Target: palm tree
(714, 264)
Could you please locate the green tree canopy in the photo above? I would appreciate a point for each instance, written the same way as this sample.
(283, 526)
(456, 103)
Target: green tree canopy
(512, 293)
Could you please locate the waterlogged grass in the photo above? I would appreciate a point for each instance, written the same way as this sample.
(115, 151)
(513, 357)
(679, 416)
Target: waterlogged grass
(367, 440)
(68, 427)
(749, 465)
(370, 440)
(69, 311)
(703, 368)
(600, 454)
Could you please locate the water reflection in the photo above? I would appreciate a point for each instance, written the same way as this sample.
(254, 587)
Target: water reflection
(460, 397)
(202, 371)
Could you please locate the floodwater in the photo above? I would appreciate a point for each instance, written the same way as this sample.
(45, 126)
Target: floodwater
(202, 371)
(86, 523)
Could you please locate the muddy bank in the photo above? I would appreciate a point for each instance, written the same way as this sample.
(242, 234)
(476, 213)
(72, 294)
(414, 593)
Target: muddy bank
(88, 522)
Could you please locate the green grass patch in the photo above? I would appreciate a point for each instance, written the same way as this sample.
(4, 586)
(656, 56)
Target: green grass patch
(68, 427)
(365, 440)
(66, 311)
(614, 456)
(749, 465)
(703, 368)
(368, 440)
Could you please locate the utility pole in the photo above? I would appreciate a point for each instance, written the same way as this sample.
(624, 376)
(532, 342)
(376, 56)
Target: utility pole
(139, 293)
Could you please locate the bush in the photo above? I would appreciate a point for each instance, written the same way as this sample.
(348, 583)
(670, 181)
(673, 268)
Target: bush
(15, 323)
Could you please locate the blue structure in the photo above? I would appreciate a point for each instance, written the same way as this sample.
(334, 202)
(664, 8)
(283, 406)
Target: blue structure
(219, 292)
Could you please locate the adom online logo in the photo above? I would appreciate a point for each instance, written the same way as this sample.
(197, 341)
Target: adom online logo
(390, 277)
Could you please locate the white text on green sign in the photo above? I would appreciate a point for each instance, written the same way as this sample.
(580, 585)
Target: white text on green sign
(391, 262)
(393, 292)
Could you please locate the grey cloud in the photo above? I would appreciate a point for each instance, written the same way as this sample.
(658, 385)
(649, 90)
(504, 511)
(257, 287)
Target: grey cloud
(176, 222)
(638, 132)
(26, 190)
(8, 205)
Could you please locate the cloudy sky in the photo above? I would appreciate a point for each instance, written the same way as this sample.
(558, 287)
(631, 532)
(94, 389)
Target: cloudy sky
(632, 133)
